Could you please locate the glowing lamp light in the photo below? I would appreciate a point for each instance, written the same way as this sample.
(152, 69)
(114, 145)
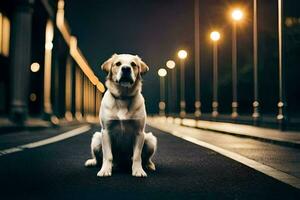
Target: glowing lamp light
(162, 72)
(215, 36)
(182, 54)
(170, 64)
(35, 67)
(237, 15)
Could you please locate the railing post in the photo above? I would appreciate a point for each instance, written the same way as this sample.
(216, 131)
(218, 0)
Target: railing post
(78, 92)
(59, 77)
(84, 97)
(68, 90)
(89, 99)
(48, 69)
(93, 102)
(98, 102)
(20, 60)
(87, 95)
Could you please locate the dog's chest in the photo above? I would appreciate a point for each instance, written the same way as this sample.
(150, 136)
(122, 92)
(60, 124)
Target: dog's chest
(122, 113)
(122, 110)
(127, 110)
(123, 133)
(119, 128)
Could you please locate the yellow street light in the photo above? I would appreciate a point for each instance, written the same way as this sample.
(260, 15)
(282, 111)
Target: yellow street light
(162, 72)
(215, 36)
(35, 67)
(182, 54)
(170, 64)
(237, 14)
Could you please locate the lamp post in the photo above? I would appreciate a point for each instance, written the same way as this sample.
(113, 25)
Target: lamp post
(197, 60)
(162, 105)
(255, 104)
(182, 54)
(281, 103)
(237, 16)
(173, 85)
(215, 36)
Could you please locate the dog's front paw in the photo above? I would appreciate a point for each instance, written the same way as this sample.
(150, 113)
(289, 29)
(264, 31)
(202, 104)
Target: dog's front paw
(105, 170)
(138, 172)
(90, 163)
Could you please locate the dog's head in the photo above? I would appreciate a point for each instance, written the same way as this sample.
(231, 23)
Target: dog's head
(124, 69)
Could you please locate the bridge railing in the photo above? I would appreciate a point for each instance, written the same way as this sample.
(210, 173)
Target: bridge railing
(49, 75)
(83, 90)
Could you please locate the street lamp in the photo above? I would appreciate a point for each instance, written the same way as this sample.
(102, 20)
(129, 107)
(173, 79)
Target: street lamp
(35, 67)
(170, 64)
(172, 85)
(215, 37)
(236, 16)
(182, 54)
(162, 105)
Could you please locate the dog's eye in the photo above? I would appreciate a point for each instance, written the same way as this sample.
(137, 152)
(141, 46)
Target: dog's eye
(133, 64)
(118, 64)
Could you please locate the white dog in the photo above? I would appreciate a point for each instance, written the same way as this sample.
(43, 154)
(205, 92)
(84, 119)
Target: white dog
(122, 118)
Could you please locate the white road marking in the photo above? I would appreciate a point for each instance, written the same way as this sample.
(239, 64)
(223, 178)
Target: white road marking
(50, 140)
(279, 175)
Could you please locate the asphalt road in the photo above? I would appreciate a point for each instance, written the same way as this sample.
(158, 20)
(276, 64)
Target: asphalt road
(184, 171)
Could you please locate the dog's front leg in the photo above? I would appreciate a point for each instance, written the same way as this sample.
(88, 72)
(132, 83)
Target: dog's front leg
(107, 155)
(137, 169)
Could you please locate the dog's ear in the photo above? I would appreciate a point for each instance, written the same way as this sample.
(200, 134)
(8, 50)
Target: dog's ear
(107, 64)
(144, 66)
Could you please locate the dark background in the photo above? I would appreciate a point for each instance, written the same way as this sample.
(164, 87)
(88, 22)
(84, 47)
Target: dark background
(155, 30)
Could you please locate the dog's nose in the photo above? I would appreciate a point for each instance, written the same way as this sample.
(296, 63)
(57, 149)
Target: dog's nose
(126, 70)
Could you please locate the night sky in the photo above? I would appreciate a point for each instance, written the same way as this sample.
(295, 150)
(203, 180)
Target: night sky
(156, 29)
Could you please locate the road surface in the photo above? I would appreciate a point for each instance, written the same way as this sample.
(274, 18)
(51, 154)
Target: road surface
(184, 171)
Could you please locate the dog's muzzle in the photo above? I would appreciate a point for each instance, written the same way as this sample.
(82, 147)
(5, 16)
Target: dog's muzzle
(126, 76)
